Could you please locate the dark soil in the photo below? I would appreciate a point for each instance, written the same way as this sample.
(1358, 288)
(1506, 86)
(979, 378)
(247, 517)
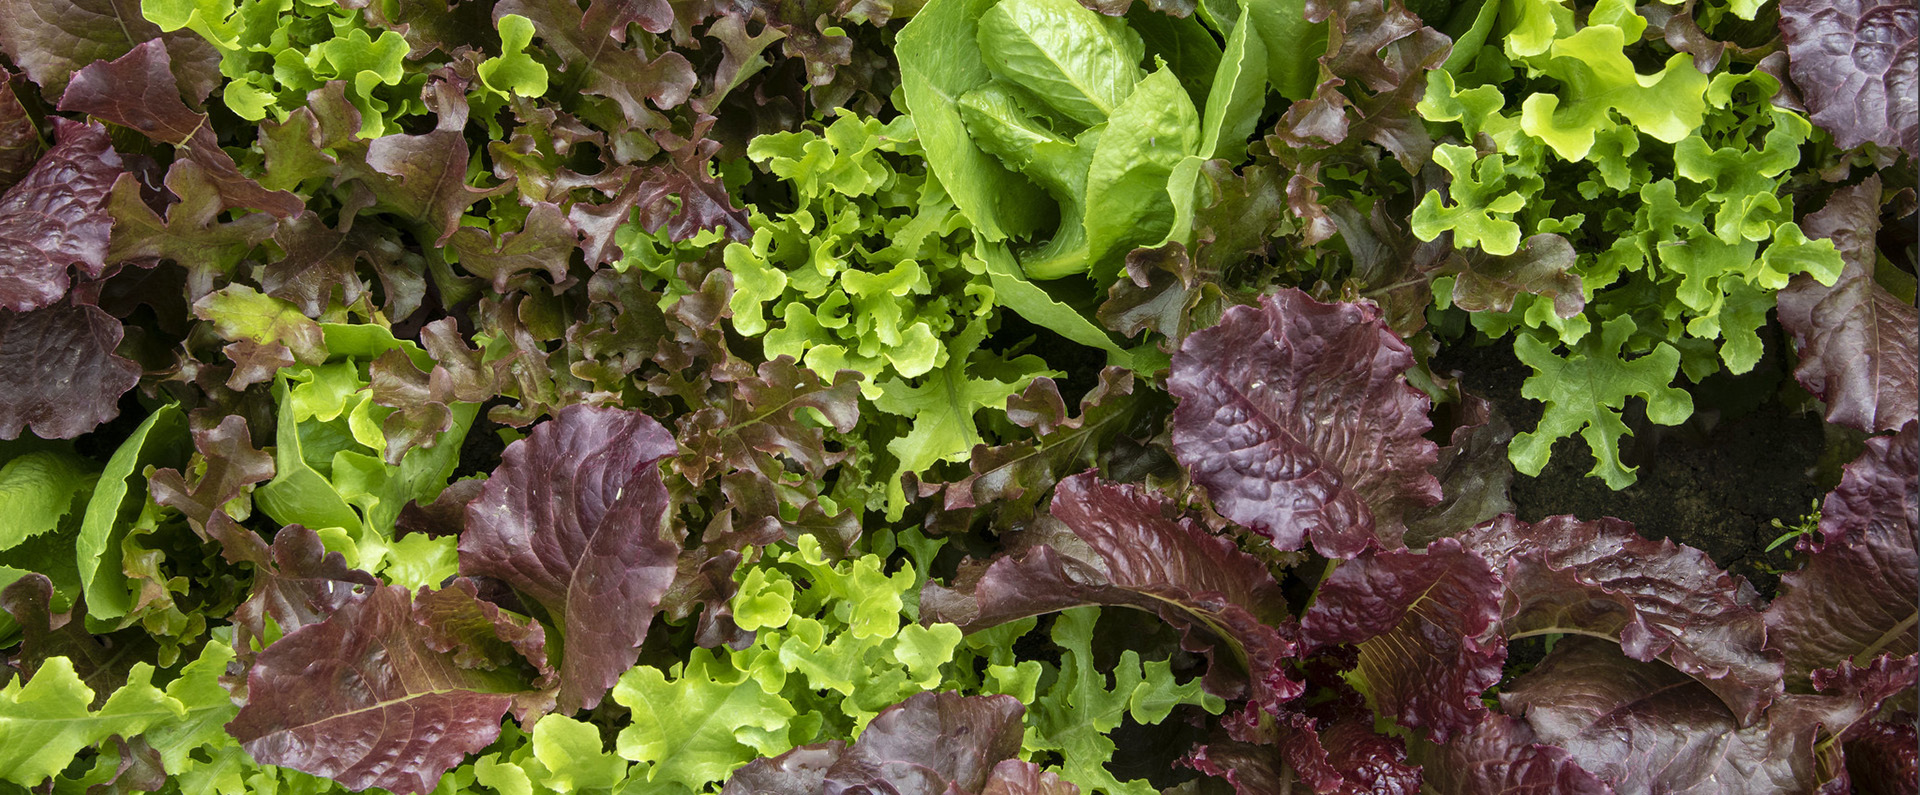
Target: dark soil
(1715, 483)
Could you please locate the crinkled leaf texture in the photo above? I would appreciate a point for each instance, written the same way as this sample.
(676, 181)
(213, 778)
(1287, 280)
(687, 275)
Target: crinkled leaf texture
(1646, 727)
(59, 374)
(930, 743)
(1428, 628)
(385, 692)
(1851, 601)
(1129, 548)
(1855, 62)
(56, 216)
(1857, 342)
(574, 521)
(1296, 418)
(1502, 754)
(1660, 600)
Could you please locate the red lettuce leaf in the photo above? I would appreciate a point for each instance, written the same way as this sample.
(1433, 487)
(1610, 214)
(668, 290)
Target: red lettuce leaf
(1428, 628)
(1296, 418)
(1853, 600)
(365, 698)
(1884, 758)
(1343, 756)
(1129, 548)
(138, 91)
(1857, 342)
(1647, 727)
(931, 743)
(800, 771)
(1661, 601)
(574, 521)
(1474, 474)
(19, 137)
(296, 581)
(1854, 61)
(1503, 755)
(58, 371)
(101, 662)
(56, 217)
(230, 465)
(53, 39)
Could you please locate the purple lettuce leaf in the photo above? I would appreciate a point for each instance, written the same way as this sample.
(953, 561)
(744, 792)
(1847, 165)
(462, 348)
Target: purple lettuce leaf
(56, 217)
(573, 521)
(59, 374)
(929, 744)
(1014, 777)
(1883, 757)
(1660, 600)
(1340, 755)
(296, 581)
(1855, 62)
(424, 399)
(424, 177)
(1647, 727)
(1474, 474)
(800, 771)
(138, 91)
(1503, 755)
(1428, 628)
(19, 137)
(101, 662)
(1128, 547)
(1852, 601)
(53, 39)
(365, 698)
(230, 466)
(1296, 418)
(1857, 342)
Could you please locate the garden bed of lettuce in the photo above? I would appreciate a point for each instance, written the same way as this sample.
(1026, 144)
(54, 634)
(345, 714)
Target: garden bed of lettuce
(961, 397)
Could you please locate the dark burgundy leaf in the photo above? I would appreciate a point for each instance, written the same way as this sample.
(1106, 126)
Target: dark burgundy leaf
(1662, 601)
(1646, 727)
(138, 91)
(932, 743)
(56, 217)
(1855, 63)
(1138, 553)
(364, 699)
(296, 581)
(1428, 628)
(53, 39)
(800, 771)
(19, 137)
(59, 374)
(1502, 755)
(1296, 418)
(1857, 342)
(231, 464)
(574, 521)
(102, 662)
(1851, 602)
(1884, 758)
(1474, 475)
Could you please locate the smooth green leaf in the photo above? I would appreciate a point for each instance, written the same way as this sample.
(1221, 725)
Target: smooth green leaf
(161, 441)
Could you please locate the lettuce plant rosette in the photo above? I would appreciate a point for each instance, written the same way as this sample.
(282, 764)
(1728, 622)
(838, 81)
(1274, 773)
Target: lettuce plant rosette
(962, 396)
